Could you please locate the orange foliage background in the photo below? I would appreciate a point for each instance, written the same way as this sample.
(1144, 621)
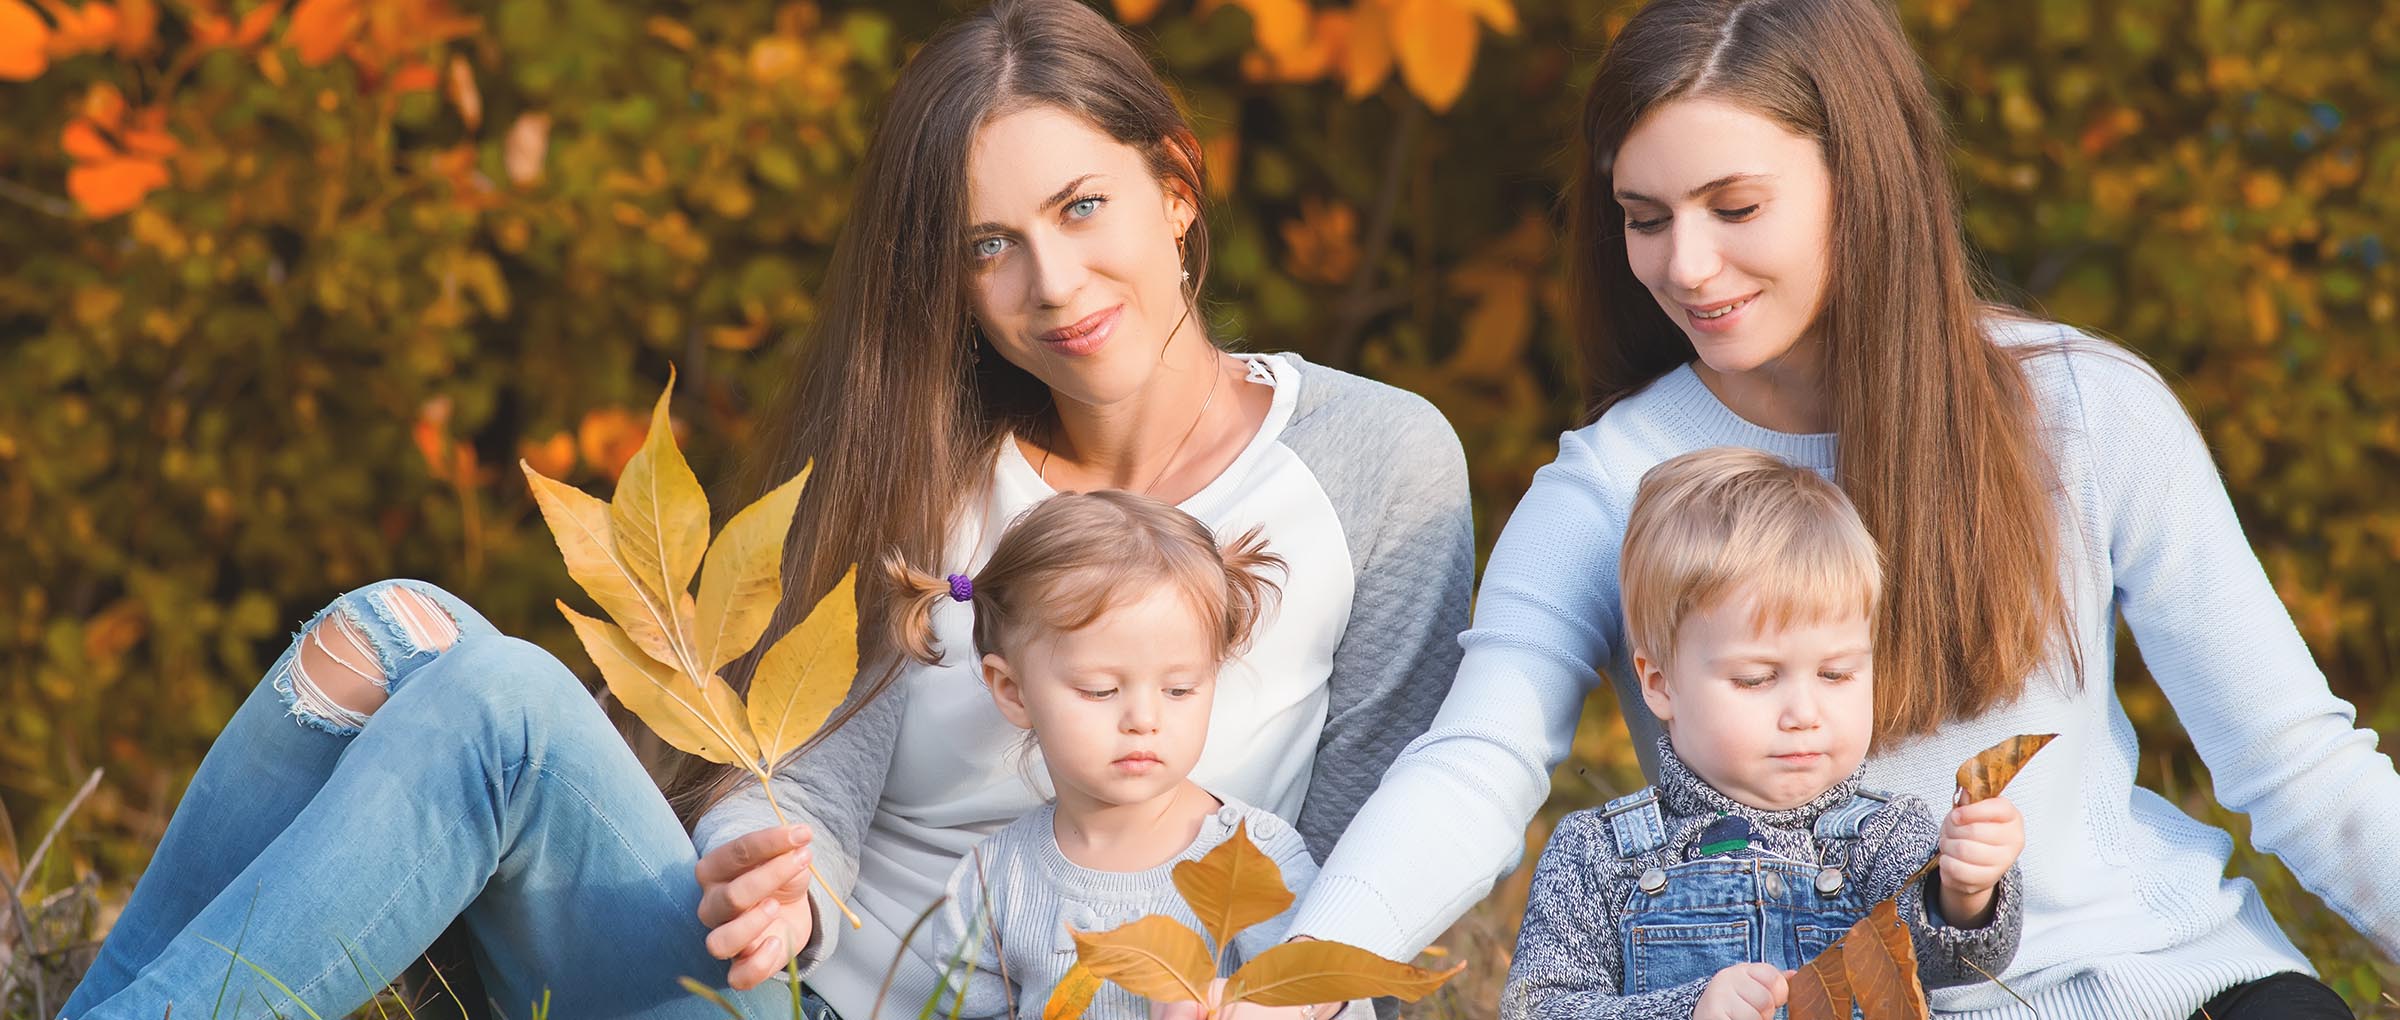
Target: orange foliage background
(285, 284)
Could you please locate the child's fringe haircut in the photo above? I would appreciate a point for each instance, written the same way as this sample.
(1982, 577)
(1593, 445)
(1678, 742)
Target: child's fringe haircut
(1727, 522)
(1074, 556)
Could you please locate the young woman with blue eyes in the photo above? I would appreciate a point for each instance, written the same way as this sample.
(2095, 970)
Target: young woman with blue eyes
(1012, 311)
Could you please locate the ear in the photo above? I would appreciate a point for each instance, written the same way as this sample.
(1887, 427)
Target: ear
(1007, 693)
(1653, 676)
(1182, 207)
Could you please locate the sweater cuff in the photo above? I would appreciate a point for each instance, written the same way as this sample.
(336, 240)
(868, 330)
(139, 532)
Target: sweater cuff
(1949, 956)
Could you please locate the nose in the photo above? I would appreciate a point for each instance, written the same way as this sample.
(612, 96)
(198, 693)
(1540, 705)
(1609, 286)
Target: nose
(1139, 713)
(1059, 271)
(1692, 256)
(1801, 710)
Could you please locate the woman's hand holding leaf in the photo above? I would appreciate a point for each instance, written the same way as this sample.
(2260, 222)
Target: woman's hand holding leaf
(754, 900)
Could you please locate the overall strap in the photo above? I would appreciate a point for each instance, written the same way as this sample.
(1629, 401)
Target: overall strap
(1844, 822)
(1635, 824)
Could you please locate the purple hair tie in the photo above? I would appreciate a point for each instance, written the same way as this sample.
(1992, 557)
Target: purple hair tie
(962, 588)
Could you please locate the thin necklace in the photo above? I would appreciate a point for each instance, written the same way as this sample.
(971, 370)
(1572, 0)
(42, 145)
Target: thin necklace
(1041, 472)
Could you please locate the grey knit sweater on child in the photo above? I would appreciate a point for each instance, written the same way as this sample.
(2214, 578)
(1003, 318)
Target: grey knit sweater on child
(1572, 949)
(1004, 932)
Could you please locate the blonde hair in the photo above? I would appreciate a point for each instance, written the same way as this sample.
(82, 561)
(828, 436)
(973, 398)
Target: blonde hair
(1728, 522)
(1074, 556)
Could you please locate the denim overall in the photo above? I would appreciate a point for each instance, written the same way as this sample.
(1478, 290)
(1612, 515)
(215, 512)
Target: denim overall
(1687, 921)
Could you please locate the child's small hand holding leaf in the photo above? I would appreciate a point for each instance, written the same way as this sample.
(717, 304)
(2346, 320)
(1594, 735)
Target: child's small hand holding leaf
(1980, 841)
(1744, 991)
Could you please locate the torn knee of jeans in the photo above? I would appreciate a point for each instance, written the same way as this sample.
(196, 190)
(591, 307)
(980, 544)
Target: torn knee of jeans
(342, 666)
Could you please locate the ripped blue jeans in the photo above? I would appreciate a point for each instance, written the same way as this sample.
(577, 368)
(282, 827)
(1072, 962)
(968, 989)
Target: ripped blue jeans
(331, 846)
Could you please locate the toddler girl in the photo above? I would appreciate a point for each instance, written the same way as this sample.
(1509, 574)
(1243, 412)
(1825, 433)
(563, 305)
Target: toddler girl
(1102, 619)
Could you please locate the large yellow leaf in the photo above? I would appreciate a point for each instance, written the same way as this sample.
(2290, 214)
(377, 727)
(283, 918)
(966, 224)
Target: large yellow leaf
(659, 514)
(1233, 886)
(1071, 996)
(24, 42)
(806, 672)
(741, 580)
(703, 720)
(580, 524)
(1435, 43)
(1301, 973)
(1155, 957)
(1367, 49)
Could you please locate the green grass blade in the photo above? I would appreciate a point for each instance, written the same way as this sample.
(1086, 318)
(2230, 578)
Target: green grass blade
(239, 939)
(381, 981)
(705, 992)
(271, 979)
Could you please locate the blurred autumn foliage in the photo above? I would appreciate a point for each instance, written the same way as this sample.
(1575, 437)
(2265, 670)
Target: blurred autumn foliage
(285, 286)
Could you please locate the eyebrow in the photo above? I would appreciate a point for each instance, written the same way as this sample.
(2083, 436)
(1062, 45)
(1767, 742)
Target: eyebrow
(1054, 201)
(1726, 181)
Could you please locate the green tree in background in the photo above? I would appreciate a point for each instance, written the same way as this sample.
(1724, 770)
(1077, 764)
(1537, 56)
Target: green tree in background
(285, 291)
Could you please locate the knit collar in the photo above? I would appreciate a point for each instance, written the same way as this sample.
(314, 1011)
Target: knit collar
(1684, 794)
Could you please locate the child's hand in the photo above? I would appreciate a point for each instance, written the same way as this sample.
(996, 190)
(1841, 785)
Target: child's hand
(1744, 991)
(1979, 843)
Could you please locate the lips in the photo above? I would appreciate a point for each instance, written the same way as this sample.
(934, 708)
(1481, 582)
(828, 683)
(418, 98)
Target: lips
(1085, 335)
(1138, 762)
(1719, 315)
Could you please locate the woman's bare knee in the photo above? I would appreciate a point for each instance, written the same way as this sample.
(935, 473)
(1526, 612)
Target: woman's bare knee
(336, 678)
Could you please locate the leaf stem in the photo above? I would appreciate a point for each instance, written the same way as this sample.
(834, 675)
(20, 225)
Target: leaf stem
(766, 780)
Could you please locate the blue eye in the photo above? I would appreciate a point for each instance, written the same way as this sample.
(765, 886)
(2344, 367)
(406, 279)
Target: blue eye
(1084, 207)
(990, 247)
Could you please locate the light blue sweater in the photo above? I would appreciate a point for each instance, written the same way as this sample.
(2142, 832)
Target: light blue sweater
(2127, 910)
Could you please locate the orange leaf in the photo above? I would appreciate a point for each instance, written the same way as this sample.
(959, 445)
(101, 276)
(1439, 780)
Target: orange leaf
(1233, 886)
(104, 105)
(1072, 995)
(1367, 50)
(414, 78)
(1880, 963)
(1501, 15)
(112, 187)
(1134, 12)
(84, 142)
(255, 24)
(1435, 43)
(137, 27)
(1986, 774)
(608, 437)
(553, 457)
(320, 28)
(1302, 973)
(1155, 957)
(1323, 241)
(24, 42)
(1821, 991)
(80, 30)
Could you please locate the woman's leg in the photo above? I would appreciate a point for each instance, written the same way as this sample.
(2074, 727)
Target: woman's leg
(266, 765)
(486, 784)
(2286, 995)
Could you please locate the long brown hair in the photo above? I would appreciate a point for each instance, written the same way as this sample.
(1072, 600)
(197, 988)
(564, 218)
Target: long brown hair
(1075, 556)
(1937, 442)
(897, 399)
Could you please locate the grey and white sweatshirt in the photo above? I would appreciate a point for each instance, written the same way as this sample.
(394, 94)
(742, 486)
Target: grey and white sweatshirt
(1362, 489)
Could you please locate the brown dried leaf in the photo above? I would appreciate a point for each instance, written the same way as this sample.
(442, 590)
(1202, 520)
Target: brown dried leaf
(1986, 774)
(1880, 962)
(1155, 957)
(1821, 991)
(1072, 995)
(1302, 973)
(1233, 886)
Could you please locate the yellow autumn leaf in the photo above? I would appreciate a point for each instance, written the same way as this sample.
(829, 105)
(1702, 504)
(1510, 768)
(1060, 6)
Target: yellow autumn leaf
(806, 673)
(579, 523)
(1280, 27)
(1301, 973)
(24, 42)
(702, 720)
(1155, 957)
(1367, 49)
(1069, 998)
(1233, 886)
(1434, 41)
(1500, 15)
(659, 513)
(742, 577)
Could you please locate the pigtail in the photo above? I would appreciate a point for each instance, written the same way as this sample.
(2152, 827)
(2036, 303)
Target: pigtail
(909, 627)
(1248, 589)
